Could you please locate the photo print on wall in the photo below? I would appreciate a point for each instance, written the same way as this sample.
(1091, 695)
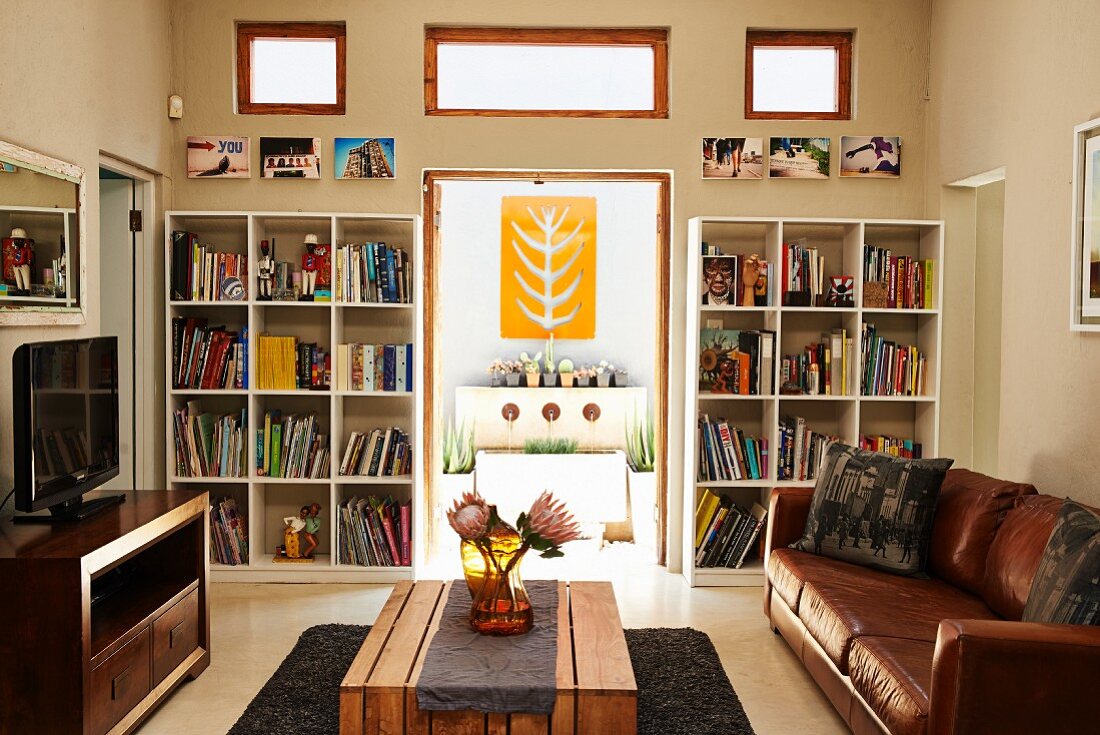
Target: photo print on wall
(875, 157)
(733, 158)
(290, 158)
(799, 158)
(364, 158)
(218, 156)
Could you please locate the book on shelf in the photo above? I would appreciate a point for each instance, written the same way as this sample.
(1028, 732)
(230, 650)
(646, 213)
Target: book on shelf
(721, 279)
(727, 453)
(292, 446)
(364, 367)
(822, 368)
(60, 451)
(208, 357)
(801, 449)
(803, 274)
(377, 453)
(285, 363)
(892, 445)
(228, 534)
(737, 361)
(889, 368)
(374, 532)
(200, 273)
(372, 272)
(726, 531)
(909, 281)
(209, 445)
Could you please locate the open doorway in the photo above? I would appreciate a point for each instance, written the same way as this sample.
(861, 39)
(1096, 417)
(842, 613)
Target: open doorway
(512, 258)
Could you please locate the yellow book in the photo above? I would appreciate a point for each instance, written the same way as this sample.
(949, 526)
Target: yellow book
(708, 504)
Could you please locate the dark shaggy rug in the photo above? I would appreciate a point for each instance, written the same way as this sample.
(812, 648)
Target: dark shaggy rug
(682, 689)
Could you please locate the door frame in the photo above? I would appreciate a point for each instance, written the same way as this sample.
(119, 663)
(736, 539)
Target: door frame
(431, 239)
(146, 367)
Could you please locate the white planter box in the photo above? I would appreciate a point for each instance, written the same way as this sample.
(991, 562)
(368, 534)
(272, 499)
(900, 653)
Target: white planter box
(643, 508)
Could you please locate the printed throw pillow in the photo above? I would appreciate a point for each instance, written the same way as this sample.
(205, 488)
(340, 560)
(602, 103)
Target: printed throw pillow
(874, 509)
(1066, 588)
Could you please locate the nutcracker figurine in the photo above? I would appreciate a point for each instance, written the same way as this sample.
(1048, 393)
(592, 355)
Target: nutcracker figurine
(18, 259)
(310, 265)
(264, 271)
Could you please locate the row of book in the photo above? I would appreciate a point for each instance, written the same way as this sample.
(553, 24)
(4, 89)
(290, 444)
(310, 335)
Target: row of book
(366, 367)
(209, 445)
(291, 446)
(737, 361)
(378, 453)
(284, 363)
(904, 448)
(725, 273)
(60, 451)
(372, 272)
(208, 357)
(727, 453)
(822, 368)
(725, 532)
(889, 368)
(800, 449)
(228, 534)
(803, 274)
(909, 281)
(374, 532)
(200, 273)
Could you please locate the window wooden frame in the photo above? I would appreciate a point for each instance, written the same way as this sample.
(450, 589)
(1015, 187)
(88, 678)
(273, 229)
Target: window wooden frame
(840, 40)
(248, 32)
(655, 38)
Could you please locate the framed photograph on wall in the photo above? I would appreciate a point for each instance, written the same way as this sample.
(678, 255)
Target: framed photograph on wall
(798, 158)
(364, 158)
(219, 156)
(290, 158)
(733, 158)
(1085, 286)
(870, 157)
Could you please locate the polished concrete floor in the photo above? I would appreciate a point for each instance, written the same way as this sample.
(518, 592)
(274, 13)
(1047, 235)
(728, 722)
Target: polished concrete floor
(255, 626)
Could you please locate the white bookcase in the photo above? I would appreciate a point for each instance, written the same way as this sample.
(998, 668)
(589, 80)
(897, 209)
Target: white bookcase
(841, 241)
(265, 500)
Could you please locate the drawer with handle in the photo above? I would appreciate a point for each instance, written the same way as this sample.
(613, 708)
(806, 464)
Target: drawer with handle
(120, 682)
(175, 636)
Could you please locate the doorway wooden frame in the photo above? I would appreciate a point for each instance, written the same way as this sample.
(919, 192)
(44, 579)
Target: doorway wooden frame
(431, 179)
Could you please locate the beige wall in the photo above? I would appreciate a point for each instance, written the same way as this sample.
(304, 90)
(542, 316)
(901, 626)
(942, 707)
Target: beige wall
(78, 77)
(1009, 82)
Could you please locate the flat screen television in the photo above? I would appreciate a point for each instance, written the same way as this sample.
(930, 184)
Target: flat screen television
(66, 440)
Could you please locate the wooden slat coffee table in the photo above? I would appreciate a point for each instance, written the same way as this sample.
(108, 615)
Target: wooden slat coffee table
(597, 694)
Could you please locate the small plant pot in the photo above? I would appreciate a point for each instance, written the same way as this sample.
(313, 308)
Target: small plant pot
(603, 381)
(495, 381)
(532, 380)
(621, 381)
(511, 380)
(549, 380)
(566, 380)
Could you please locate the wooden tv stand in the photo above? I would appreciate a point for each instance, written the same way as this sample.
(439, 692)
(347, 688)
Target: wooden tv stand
(68, 666)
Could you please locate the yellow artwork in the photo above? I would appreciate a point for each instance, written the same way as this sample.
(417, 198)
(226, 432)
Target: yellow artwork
(548, 267)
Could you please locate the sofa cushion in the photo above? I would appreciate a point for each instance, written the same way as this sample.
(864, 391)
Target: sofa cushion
(894, 678)
(970, 508)
(788, 571)
(873, 509)
(1015, 553)
(1066, 588)
(853, 602)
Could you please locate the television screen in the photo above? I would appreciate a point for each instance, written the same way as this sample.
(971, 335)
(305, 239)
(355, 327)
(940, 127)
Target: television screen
(66, 399)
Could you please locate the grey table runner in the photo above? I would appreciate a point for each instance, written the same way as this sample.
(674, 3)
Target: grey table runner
(466, 670)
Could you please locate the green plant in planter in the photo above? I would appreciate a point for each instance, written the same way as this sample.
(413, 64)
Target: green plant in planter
(639, 443)
(458, 449)
(550, 445)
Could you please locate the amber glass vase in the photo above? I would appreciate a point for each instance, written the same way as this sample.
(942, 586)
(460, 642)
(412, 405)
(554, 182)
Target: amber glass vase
(500, 603)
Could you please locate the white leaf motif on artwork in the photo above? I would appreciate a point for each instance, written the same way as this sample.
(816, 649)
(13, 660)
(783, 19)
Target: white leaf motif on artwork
(546, 273)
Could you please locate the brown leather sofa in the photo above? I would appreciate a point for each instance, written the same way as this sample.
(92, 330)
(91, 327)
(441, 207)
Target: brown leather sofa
(942, 655)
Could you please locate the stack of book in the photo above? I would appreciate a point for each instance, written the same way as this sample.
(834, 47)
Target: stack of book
(364, 367)
(291, 446)
(374, 532)
(905, 448)
(725, 532)
(726, 453)
(822, 368)
(378, 453)
(286, 364)
(909, 281)
(889, 368)
(199, 272)
(228, 534)
(803, 274)
(737, 361)
(800, 449)
(373, 272)
(208, 358)
(762, 290)
(208, 445)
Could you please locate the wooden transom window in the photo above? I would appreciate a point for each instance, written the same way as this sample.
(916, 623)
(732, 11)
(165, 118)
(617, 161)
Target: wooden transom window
(546, 72)
(798, 75)
(291, 68)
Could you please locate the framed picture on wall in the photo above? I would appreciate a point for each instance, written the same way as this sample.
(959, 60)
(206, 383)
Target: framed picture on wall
(290, 158)
(1085, 298)
(733, 158)
(364, 158)
(798, 158)
(870, 157)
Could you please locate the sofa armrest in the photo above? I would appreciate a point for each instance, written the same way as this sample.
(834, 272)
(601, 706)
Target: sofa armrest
(788, 508)
(1010, 677)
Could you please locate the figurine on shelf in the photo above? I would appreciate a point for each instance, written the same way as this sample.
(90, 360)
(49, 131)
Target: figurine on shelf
(264, 271)
(296, 533)
(18, 259)
(324, 266)
(310, 265)
(313, 526)
(750, 272)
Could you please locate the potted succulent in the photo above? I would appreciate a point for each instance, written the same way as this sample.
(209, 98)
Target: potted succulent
(458, 459)
(604, 371)
(582, 377)
(513, 369)
(642, 480)
(622, 377)
(531, 368)
(496, 372)
(565, 372)
(549, 378)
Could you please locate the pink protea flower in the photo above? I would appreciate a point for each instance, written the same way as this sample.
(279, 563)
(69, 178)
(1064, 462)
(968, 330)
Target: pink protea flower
(470, 517)
(551, 521)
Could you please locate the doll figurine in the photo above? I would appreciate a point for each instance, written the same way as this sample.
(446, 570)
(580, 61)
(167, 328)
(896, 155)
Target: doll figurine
(292, 534)
(313, 526)
(310, 266)
(18, 259)
(264, 271)
(749, 273)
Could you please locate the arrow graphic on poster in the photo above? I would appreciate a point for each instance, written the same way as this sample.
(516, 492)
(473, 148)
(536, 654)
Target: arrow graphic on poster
(204, 145)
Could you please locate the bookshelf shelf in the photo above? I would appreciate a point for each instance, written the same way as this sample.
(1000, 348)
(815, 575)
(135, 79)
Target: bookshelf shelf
(841, 244)
(265, 501)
